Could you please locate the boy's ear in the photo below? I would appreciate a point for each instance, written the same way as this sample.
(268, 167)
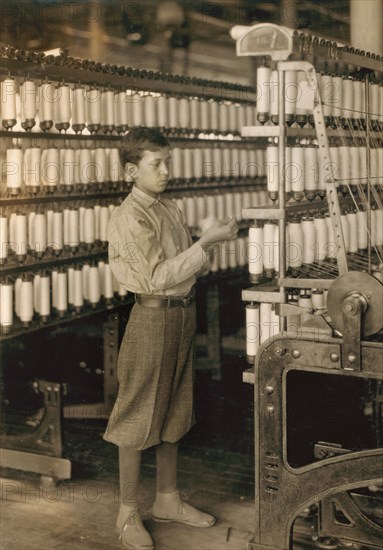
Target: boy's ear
(131, 171)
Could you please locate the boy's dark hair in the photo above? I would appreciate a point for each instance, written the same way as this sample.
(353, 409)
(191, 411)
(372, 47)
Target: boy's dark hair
(139, 140)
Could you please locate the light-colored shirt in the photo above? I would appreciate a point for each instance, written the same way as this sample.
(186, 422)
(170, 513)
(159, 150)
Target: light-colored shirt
(150, 247)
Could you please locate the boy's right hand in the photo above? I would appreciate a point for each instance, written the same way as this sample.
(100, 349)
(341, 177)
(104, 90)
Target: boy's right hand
(221, 230)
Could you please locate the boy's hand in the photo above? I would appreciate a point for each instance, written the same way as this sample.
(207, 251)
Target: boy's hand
(221, 230)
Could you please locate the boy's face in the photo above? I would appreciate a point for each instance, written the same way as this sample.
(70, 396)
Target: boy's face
(152, 173)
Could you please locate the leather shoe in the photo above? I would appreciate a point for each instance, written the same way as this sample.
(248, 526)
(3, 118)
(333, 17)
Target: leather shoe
(133, 534)
(181, 512)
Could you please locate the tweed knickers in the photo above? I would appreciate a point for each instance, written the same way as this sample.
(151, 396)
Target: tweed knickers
(155, 375)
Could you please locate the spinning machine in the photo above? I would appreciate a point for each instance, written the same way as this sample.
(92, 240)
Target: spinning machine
(316, 308)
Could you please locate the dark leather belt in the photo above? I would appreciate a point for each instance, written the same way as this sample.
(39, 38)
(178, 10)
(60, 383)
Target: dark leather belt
(165, 301)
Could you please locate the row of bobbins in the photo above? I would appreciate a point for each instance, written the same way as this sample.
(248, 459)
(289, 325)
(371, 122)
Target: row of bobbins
(56, 293)
(57, 107)
(306, 176)
(309, 240)
(35, 169)
(343, 98)
(262, 322)
(45, 233)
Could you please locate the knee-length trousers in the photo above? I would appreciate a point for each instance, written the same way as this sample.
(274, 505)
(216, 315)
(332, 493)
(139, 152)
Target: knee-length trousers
(155, 375)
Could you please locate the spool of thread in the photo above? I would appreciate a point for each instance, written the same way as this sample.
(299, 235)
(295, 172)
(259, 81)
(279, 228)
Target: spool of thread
(78, 111)
(32, 169)
(268, 249)
(295, 248)
(320, 249)
(43, 296)
(337, 102)
(8, 103)
(4, 241)
(197, 163)
(216, 170)
(241, 116)
(28, 104)
(40, 234)
(309, 237)
(297, 172)
(177, 165)
(36, 293)
(62, 294)
(17, 295)
(317, 299)
(274, 109)
(54, 275)
(229, 204)
(121, 111)
(73, 229)
(348, 99)
(31, 230)
(184, 112)
(344, 164)
(208, 165)
(363, 164)
(288, 169)
(345, 230)
(97, 210)
(173, 112)
(104, 218)
(311, 172)
(26, 302)
(81, 212)
(204, 115)
(47, 99)
(238, 205)
(305, 304)
(200, 208)
(67, 169)
(78, 295)
(89, 226)
(326, 94)
(190, 211)
(252, 331)
(108, 284)
(187, 163)
(93, 286)
(233, 126)
(220, 207)
(20, 236)
(86, 168)
(70, 274)
(107, 110)
(263, 94)
(362, 230)
(242, 251)
(194, 114)
(353, 232)
(85, 281)
(64, 107)
(213, 115)
(115, 169)
(138, 109)
(223, 118)
(301, 112)
(150, 111)
(93, 109)
(14, 171)
(359, 104)
(162, 112)
(50, 169)
(291, 95)
(101, 169)
(332, 249)
(6, 306)
(255, 253)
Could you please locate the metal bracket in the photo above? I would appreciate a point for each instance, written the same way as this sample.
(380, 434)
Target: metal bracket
(323, 450)
(352, 308)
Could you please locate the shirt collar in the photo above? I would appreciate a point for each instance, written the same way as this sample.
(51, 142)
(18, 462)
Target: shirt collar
(144, 197)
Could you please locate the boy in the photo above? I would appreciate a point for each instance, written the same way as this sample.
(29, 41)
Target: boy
(152, 255)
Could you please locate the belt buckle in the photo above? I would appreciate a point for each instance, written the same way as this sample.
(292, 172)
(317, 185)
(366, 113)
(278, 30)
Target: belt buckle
(185, 301)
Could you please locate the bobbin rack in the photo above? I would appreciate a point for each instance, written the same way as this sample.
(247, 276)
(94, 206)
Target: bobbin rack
(62, 121)
(314, 314)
